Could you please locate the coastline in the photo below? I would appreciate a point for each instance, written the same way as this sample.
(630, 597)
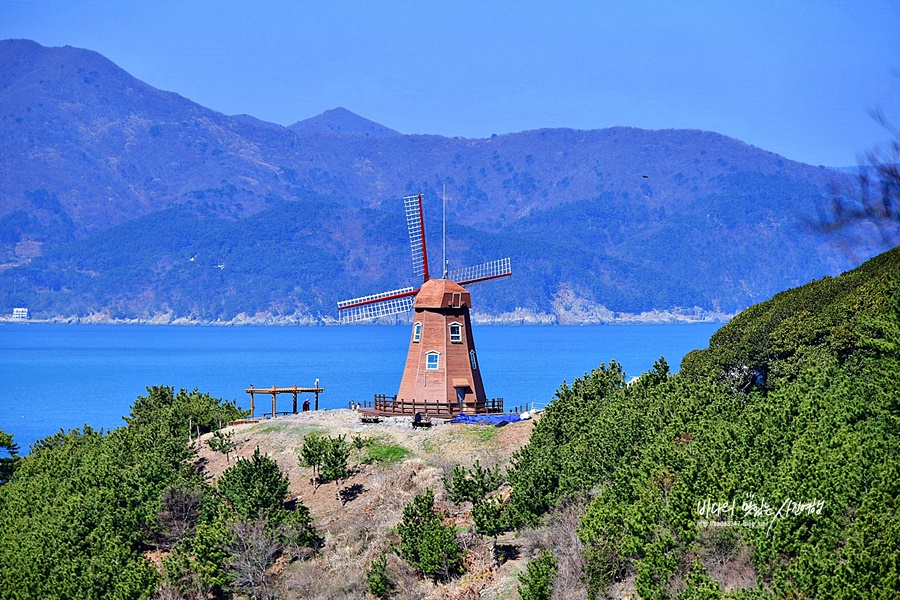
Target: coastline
(578, 316)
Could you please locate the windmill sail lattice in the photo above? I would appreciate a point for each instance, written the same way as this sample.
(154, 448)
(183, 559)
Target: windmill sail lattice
(416, 227)
(482, 272)
(394, 302)
(373, 306)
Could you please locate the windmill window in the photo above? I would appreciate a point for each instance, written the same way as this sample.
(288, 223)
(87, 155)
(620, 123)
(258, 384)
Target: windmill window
(417, 331)
(431, 360)
(472, 358)
(455, 332)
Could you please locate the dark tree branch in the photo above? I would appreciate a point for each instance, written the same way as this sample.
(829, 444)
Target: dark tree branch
(876, 204)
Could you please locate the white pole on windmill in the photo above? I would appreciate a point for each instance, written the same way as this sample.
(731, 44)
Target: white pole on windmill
(444, 203)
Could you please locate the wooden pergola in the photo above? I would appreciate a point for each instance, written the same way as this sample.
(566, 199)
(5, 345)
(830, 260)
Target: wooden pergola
(283, 390)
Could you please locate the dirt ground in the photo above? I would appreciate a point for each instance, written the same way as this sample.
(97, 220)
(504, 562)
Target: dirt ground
(356, 532)
(442, 445)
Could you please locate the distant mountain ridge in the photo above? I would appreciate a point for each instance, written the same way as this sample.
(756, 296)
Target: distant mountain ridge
(115, 193)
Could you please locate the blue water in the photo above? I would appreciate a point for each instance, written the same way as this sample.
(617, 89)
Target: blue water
(63, 376)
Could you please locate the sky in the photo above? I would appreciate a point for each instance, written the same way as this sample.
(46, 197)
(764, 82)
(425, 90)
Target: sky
(798, 78)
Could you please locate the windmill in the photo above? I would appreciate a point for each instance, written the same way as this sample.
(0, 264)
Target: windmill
(442, 370)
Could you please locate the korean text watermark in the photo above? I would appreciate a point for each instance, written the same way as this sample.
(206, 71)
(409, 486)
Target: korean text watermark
(753, 511)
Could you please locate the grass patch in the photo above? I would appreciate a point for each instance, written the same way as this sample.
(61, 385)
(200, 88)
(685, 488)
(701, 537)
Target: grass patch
(385, 454)
(268, 428)
(378, 450)
(306, 430)
(265, 428)
(480, 433)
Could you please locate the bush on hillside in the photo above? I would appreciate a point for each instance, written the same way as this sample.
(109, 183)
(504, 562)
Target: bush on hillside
(254, 487)
(425, 542)
(536, 582)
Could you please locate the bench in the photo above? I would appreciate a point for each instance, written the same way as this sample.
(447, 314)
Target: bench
(370, 419)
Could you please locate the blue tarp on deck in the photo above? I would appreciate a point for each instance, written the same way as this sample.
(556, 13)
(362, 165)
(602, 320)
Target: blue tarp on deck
(486, 419)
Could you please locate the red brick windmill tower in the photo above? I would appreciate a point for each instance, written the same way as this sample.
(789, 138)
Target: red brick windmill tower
(442, 369)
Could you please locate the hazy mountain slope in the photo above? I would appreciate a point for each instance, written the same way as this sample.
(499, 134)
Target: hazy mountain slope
(206, 268)
(81, 136)
(629, 219)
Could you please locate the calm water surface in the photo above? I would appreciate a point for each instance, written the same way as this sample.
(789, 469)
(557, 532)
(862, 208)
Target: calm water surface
(63, 376)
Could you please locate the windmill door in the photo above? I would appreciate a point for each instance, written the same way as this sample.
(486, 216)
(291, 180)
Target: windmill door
(460, 396)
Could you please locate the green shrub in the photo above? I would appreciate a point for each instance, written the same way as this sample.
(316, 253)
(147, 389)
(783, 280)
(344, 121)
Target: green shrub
(380, 583)
(254, 486)
(335, 453)
(312, 452)
(197, 565)
(699, 584)
(297, 530)
(223, 443)
(473, 484)
(488, 516)
(536, 582)
(425, 542)
(7, 463)
(326, 455)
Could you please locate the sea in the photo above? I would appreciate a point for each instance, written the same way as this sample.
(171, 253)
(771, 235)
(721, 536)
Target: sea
(58, 376)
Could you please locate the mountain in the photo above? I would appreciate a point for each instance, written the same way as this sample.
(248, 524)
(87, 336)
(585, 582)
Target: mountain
(341, 121)
(124, 201)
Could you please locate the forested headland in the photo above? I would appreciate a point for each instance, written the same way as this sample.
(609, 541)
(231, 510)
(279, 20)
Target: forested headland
(767, 467)
(788, 421)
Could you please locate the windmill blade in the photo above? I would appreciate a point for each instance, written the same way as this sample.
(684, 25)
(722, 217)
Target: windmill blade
(415, 225)
(489, 270)
(383, 304)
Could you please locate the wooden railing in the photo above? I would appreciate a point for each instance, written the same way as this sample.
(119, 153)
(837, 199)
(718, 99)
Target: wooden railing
(494, 405)
(391, 405)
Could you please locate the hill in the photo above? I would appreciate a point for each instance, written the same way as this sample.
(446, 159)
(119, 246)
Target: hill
(110, 187)
(768, 467)
(118, 507)
(415, 460)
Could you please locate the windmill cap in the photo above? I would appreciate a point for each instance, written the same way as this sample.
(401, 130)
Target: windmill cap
(438, 293)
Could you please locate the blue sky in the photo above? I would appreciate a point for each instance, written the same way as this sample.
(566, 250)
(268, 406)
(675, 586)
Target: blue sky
(795, 78)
